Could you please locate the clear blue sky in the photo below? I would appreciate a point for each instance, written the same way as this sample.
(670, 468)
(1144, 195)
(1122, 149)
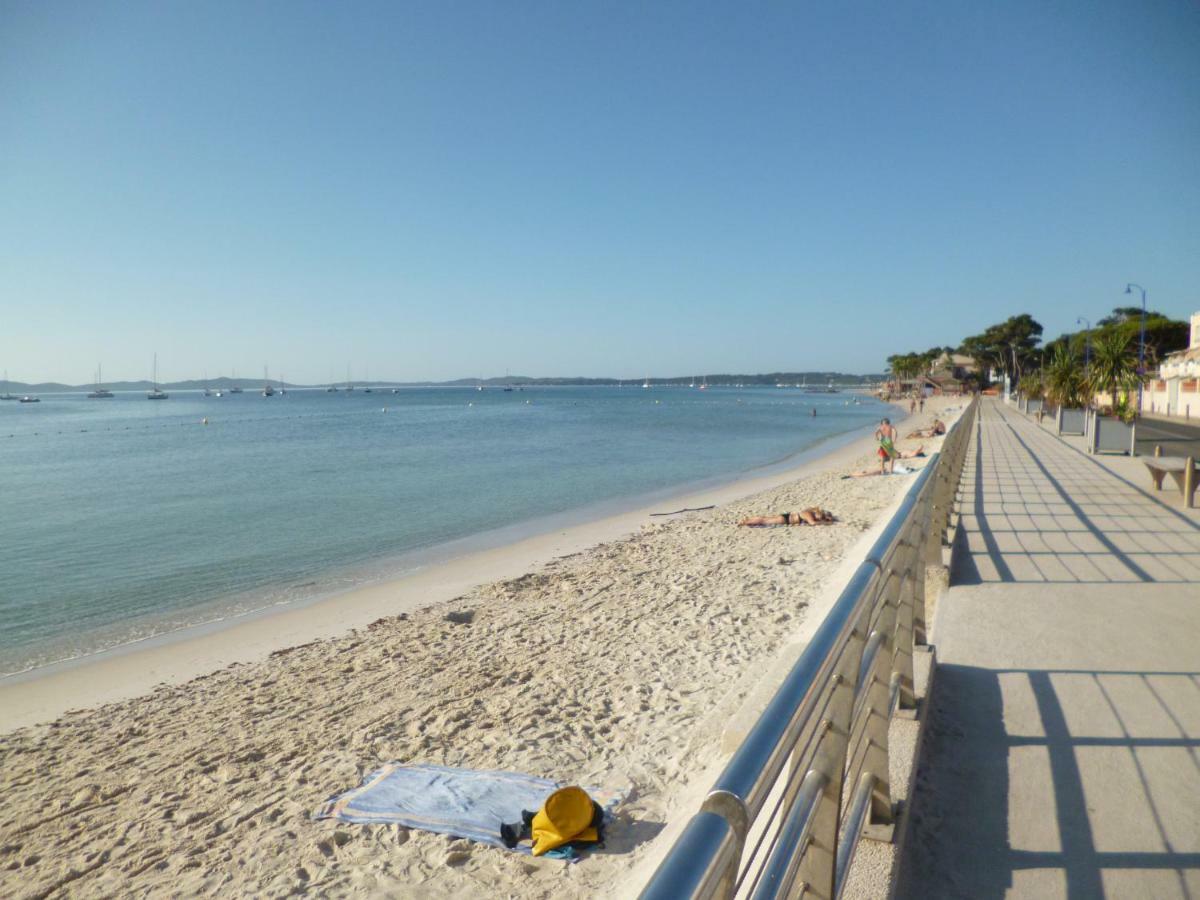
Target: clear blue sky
(452, 189)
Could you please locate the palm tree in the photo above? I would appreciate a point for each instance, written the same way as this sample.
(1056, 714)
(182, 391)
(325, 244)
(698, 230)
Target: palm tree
(1031, 386)
(1112, 364)
(1065, 382)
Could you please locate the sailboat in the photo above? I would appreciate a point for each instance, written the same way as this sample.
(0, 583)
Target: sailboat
(234, 389)
(6, 395)
(267, 390)
(206, 392)
(704, 384)
(282, 389)
(349, 386)
(156, 394)
(646, 383)
(99, 393)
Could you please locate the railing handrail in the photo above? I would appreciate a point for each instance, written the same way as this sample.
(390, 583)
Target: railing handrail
(845, 652)
(796, 688)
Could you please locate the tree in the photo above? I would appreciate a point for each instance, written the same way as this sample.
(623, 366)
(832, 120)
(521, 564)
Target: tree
(1008, 346)
(1163, 334)
(1031, 386)
(1065, 382)
(1122, 314)
(1112, 363)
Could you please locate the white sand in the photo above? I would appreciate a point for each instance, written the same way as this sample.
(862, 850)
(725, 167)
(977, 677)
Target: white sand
(619, 665)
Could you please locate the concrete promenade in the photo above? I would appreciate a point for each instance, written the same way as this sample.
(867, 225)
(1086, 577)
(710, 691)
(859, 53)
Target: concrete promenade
(1062, 750)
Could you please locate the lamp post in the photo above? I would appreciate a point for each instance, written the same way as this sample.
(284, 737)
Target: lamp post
(1141, 343)
(1087, 344)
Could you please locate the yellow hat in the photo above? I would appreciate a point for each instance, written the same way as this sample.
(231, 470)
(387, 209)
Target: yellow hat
(565, 816)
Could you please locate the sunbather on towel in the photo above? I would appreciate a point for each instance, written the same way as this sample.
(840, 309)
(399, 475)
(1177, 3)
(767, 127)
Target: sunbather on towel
(912, 454)
(814, 515)
(871, 473)
(937, 428)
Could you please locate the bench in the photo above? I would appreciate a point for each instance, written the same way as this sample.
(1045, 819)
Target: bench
(1184, 471)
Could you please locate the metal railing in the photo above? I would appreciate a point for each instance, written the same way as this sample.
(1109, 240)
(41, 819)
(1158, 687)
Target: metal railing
(777, 822)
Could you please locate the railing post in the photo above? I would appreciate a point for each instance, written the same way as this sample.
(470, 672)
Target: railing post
(878, 700)
(906, 629)
(732, 809)
(818, 865)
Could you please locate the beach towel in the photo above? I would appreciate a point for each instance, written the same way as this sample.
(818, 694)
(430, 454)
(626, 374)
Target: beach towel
(467, 803)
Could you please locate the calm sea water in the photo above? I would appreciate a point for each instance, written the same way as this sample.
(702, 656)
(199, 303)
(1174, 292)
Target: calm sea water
(125, 518)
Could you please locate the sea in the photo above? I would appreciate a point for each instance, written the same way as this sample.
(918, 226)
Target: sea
(124, 519)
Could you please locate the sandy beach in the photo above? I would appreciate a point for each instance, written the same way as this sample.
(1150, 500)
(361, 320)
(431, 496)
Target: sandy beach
(612, 653)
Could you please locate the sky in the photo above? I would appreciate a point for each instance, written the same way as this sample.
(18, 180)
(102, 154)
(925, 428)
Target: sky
(441, 190)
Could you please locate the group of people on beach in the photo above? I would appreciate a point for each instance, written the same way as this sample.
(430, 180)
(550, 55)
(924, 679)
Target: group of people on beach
(886, 436)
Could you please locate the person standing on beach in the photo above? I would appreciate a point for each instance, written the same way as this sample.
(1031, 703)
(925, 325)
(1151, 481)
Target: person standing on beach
(912, 406)
(886, 435)
(922, 403)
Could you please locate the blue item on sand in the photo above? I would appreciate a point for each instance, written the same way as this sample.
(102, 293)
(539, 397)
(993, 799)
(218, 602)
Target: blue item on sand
(468, 803)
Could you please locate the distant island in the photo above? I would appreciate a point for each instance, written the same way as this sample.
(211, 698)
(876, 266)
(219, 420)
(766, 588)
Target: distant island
(811, 379)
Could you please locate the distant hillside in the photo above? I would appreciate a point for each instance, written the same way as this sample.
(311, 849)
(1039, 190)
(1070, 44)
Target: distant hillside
(812, 379)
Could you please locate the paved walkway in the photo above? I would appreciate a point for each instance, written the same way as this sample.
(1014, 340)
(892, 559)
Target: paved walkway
(1062, 757)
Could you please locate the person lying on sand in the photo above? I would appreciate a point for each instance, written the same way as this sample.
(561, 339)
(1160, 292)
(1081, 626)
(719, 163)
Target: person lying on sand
(912, 454)
(871, 473)
(814, 515)
(938, 427)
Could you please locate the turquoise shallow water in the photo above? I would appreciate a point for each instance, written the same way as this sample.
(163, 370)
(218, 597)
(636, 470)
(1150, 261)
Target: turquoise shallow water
(124, 518)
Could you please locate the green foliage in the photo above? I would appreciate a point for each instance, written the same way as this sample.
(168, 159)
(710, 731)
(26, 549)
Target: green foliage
(1163, 334)
(1066, 385)
(1008, 346)
(1112, 363)
(1122, 314)
(1031, 386)
(910, 365)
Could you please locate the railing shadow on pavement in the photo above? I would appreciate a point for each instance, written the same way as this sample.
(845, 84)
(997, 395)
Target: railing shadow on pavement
(1084, 812)
(1038, 514)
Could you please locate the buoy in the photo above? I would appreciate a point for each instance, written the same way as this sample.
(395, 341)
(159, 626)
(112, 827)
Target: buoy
(385, 409)
(204, 421)
(471, 404)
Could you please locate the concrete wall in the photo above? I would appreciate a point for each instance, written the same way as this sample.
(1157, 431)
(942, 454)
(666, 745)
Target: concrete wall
(1157, 395)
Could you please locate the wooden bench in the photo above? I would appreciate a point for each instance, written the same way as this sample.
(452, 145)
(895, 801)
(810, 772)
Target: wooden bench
(1184, 471)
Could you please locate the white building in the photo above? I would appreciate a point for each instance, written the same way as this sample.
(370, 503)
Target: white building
(1176, 392)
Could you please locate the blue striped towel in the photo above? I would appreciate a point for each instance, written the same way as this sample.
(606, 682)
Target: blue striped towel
(468, 803)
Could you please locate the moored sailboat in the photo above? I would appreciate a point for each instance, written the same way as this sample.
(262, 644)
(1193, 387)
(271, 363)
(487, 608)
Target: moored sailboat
(99, 393)
(155, 393)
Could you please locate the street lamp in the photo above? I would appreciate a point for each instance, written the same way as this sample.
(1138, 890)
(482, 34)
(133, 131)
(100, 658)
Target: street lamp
(1141, 343)
(1087, 344)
